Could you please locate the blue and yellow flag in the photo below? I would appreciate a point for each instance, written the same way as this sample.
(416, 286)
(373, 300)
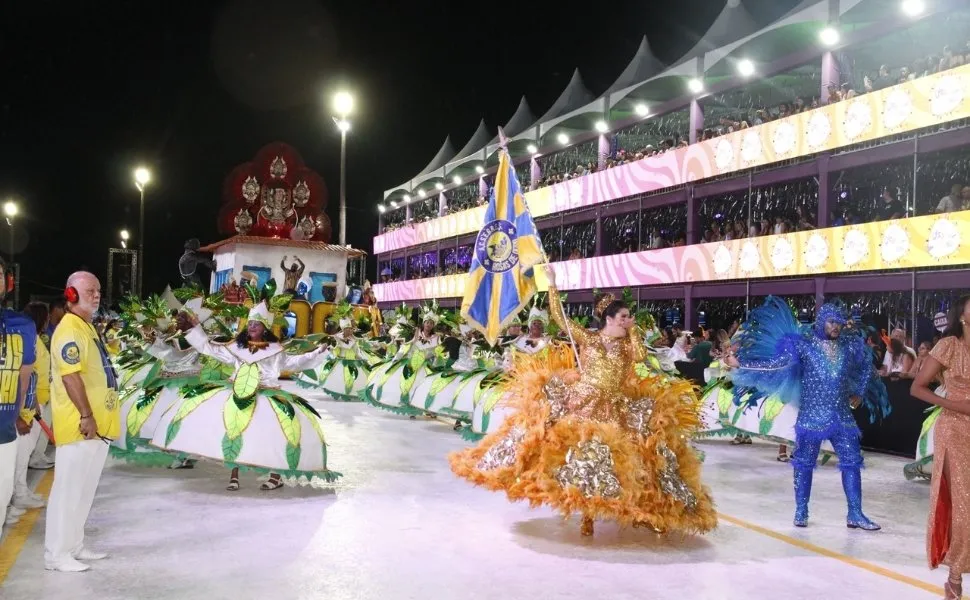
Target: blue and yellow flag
(501, 280)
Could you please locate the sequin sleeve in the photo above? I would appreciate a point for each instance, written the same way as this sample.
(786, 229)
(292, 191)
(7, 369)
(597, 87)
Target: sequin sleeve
(579, 335)
(637, 348)
(943, 351)
(861, 363)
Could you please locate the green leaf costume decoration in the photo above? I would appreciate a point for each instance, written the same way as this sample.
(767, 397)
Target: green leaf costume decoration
(237, 414)
(492, 396)
(231, 447)
(140, 412)
(350, 376)
(290, 425)
(187, 406)
(725, 398)
(247, 381)
(440, 382)
(772, 407)
(928, 424)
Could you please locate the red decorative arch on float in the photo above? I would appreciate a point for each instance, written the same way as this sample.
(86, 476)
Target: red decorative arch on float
(275, 195)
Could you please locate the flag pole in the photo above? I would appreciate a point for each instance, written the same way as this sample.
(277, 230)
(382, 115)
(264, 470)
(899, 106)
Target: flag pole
(565, 317)
(503, 146)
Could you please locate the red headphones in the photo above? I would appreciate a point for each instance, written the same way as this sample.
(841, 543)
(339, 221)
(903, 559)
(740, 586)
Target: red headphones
(71, 295)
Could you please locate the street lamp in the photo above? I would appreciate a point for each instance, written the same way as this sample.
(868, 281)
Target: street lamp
(142, 177)
(10, 210)
(124, 238)
(343, 104)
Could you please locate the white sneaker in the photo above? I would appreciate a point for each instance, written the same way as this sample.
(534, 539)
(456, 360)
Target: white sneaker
(67, 565)
(28, 501)
(15, 511)
(11, 518)
(86, 554)
(41, 465)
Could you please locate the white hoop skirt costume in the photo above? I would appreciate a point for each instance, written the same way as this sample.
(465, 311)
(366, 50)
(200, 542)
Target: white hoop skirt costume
(766, 418)
(922, 467)
(344, 374)
(490, 406)
(143, 405)
(249, 422)
(455, 392)
(389, 385)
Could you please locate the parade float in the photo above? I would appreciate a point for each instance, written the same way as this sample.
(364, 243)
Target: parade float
(274, 212)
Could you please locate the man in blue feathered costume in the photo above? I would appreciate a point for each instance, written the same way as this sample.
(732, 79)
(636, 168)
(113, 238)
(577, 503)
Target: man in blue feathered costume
(826, 370)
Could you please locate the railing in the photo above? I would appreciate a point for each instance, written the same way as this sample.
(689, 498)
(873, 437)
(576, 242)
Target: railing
(925, 102)
(918, 242)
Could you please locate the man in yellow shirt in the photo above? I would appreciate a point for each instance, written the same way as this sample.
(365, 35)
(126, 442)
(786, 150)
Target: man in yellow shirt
(85, 403)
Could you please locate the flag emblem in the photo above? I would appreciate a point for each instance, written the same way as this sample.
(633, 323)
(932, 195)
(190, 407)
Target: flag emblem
(494, 246)
(501, 280)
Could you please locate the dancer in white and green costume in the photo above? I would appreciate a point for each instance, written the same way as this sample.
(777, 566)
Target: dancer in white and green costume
(922, 467)
(143, 405)
(453, 392)
(489, 411)
(390, 384)
(344, 374)
(173, 366)
(717, 400)
(248, 421)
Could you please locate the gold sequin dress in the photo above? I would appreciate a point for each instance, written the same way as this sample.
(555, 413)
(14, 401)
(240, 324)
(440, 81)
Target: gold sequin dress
(603, 441)
(948, 530)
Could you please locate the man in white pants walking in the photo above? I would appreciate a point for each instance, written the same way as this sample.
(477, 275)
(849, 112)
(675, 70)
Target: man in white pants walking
(86, 417)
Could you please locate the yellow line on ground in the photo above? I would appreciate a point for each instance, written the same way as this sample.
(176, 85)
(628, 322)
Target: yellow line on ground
(18, 534)
(855, 562)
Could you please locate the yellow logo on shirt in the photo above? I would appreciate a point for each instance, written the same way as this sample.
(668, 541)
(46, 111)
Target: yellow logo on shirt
(71, 354)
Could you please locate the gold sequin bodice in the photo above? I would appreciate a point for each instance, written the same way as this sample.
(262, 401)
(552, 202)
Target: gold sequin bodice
(605, 364)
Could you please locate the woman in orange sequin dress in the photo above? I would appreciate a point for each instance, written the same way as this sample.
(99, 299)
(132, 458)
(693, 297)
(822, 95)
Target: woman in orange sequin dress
(948, 530)
(602, 441)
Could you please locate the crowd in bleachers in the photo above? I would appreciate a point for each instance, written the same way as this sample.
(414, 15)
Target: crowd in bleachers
(865, 194)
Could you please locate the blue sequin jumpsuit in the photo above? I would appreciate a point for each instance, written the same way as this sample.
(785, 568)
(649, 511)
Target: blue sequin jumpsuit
(832, 372)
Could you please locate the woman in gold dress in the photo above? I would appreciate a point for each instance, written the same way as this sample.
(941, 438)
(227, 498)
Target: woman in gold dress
(606, 440)
(948, 529)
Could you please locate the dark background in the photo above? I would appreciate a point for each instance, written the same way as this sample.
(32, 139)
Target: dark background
(192, 89)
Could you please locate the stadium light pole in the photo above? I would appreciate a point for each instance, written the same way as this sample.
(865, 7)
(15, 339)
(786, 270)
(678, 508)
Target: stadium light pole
(343, 104)
(142, 177)
(10, 210)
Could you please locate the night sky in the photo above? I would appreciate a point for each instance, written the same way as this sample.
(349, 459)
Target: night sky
(90, 90)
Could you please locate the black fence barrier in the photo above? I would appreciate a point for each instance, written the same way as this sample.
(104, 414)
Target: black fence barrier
(899, 432)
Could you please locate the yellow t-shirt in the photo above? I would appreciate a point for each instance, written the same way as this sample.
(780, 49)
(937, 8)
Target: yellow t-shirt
(42, 366)
(76, 348)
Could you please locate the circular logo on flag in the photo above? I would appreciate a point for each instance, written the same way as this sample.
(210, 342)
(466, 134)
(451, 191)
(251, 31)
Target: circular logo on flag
(495, 246)
(939, 321)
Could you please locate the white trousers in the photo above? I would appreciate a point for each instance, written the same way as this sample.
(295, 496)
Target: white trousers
(8, 467)
(25, 445)
(77, 471)
(40, 449)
